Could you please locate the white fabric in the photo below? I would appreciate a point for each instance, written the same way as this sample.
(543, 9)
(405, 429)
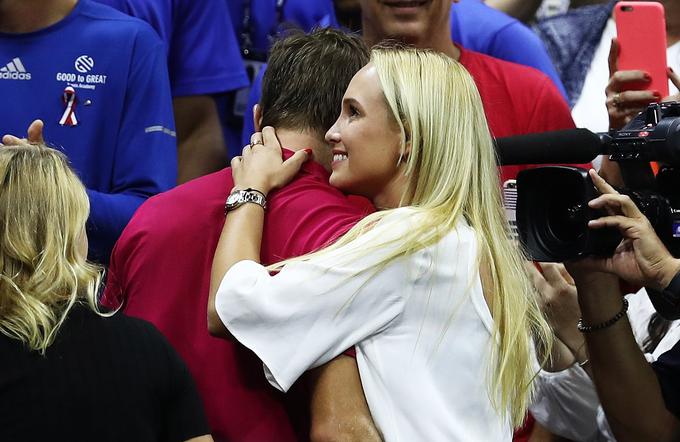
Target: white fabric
(421, 327)
(590, 110)
(566, 402)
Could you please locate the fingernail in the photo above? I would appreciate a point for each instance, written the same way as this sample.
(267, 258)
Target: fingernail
(647, 77)
(308, 152)
(670, 69)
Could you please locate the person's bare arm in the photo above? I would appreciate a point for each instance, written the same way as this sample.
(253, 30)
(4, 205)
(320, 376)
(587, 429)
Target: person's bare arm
(200, 143)
(261, 168)
(626, 383)
(523, 10)
(339, 411)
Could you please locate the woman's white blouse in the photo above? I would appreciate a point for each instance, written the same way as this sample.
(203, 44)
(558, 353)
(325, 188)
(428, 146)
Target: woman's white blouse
(420, 324)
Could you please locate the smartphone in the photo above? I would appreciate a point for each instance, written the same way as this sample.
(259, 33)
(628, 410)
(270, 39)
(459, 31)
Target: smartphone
(641, 32)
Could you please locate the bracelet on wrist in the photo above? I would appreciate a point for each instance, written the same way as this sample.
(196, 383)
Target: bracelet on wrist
(583, 328)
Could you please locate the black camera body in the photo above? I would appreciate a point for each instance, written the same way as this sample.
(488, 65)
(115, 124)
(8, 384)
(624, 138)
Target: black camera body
(552, 201)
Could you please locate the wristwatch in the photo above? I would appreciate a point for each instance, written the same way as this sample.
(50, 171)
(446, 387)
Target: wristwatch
(239, 197)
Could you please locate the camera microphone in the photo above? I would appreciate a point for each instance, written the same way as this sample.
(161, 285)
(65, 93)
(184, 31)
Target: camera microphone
(569, 146)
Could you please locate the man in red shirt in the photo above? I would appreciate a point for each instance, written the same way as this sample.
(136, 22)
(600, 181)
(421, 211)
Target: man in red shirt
(162, 262)
(160, 267)
(517, 99)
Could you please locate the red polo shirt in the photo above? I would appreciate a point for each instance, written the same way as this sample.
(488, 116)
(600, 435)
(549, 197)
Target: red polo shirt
(160, 271)
(517, 99)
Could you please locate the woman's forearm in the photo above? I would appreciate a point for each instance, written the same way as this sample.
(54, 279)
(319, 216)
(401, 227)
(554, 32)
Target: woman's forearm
(240, 240)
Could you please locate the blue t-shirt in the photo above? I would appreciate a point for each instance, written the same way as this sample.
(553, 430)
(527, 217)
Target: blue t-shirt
(266, 18)
(481, 28)
(203, 54)
(476, 27)
(123, 146)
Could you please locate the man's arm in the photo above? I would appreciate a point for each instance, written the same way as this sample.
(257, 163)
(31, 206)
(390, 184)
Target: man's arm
(200, 143)
(145, 161)
(339, 411)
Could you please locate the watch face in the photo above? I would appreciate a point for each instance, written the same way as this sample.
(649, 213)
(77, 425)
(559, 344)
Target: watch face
(233, 199)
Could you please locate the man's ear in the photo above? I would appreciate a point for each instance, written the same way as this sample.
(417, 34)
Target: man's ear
(257, 118)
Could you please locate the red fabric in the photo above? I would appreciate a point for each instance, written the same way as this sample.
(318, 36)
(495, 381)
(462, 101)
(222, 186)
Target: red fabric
(161, 264)
(160, 267)
(518, 100)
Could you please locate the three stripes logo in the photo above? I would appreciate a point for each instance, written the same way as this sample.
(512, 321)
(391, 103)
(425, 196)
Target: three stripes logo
(14, 70)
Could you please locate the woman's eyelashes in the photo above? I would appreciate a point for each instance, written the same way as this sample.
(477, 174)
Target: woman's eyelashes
(352, 111)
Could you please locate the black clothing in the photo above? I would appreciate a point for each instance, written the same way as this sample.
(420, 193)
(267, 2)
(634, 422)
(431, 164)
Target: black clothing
(667, 369)
(103, 379)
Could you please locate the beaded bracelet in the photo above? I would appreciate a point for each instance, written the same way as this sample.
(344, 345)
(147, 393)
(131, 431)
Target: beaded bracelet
(591, 328)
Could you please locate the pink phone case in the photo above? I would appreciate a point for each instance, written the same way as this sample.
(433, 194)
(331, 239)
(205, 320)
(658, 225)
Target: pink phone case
(641, 29)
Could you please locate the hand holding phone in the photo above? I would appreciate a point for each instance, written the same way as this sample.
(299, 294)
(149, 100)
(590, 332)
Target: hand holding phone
(637, 60)
(641, 34)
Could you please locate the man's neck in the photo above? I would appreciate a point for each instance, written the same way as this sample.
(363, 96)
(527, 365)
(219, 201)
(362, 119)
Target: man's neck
(22, 16)
(438, 41)
(297, 140)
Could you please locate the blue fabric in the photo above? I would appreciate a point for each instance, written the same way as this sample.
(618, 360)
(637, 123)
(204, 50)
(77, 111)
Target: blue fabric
(123, 147)
(571, 40)
(203, 53)
(304, 14)
(667, 369)
(480, 28)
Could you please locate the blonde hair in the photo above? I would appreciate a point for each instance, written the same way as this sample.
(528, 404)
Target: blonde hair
(43, 210)
(452, 173)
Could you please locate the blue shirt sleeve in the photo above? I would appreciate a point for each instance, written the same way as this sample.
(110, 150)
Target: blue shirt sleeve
(204, 55)
(145, 160)
(481, 28)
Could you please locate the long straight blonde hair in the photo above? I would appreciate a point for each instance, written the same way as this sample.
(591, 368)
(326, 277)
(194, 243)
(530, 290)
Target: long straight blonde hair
(452, 175)
(43, 210)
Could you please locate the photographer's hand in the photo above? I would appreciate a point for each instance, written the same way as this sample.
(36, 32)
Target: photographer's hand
(640, 258)
(624, 104)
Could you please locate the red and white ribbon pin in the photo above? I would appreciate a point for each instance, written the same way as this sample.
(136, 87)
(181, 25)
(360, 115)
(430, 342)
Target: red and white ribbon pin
(69, 116)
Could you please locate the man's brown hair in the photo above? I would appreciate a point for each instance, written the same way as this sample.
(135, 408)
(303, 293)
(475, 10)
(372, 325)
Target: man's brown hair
(306, 77)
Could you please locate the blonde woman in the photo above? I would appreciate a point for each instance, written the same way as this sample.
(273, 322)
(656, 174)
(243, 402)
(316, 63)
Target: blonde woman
(69, 372)
(430, 289)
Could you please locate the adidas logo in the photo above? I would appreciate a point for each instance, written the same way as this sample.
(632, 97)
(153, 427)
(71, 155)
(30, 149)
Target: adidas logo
(14, 70)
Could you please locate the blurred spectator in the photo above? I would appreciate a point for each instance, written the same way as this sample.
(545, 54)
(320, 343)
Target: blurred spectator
(160, 267)
(480, 28)
(517, 99)
(530, 10)
(256, 25)
(640, 400)
(203, 60)
(579, 43)
(69, 372)
(566, 401)
(98, 80)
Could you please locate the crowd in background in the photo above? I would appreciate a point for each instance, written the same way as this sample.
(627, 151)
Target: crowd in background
(144, 104)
